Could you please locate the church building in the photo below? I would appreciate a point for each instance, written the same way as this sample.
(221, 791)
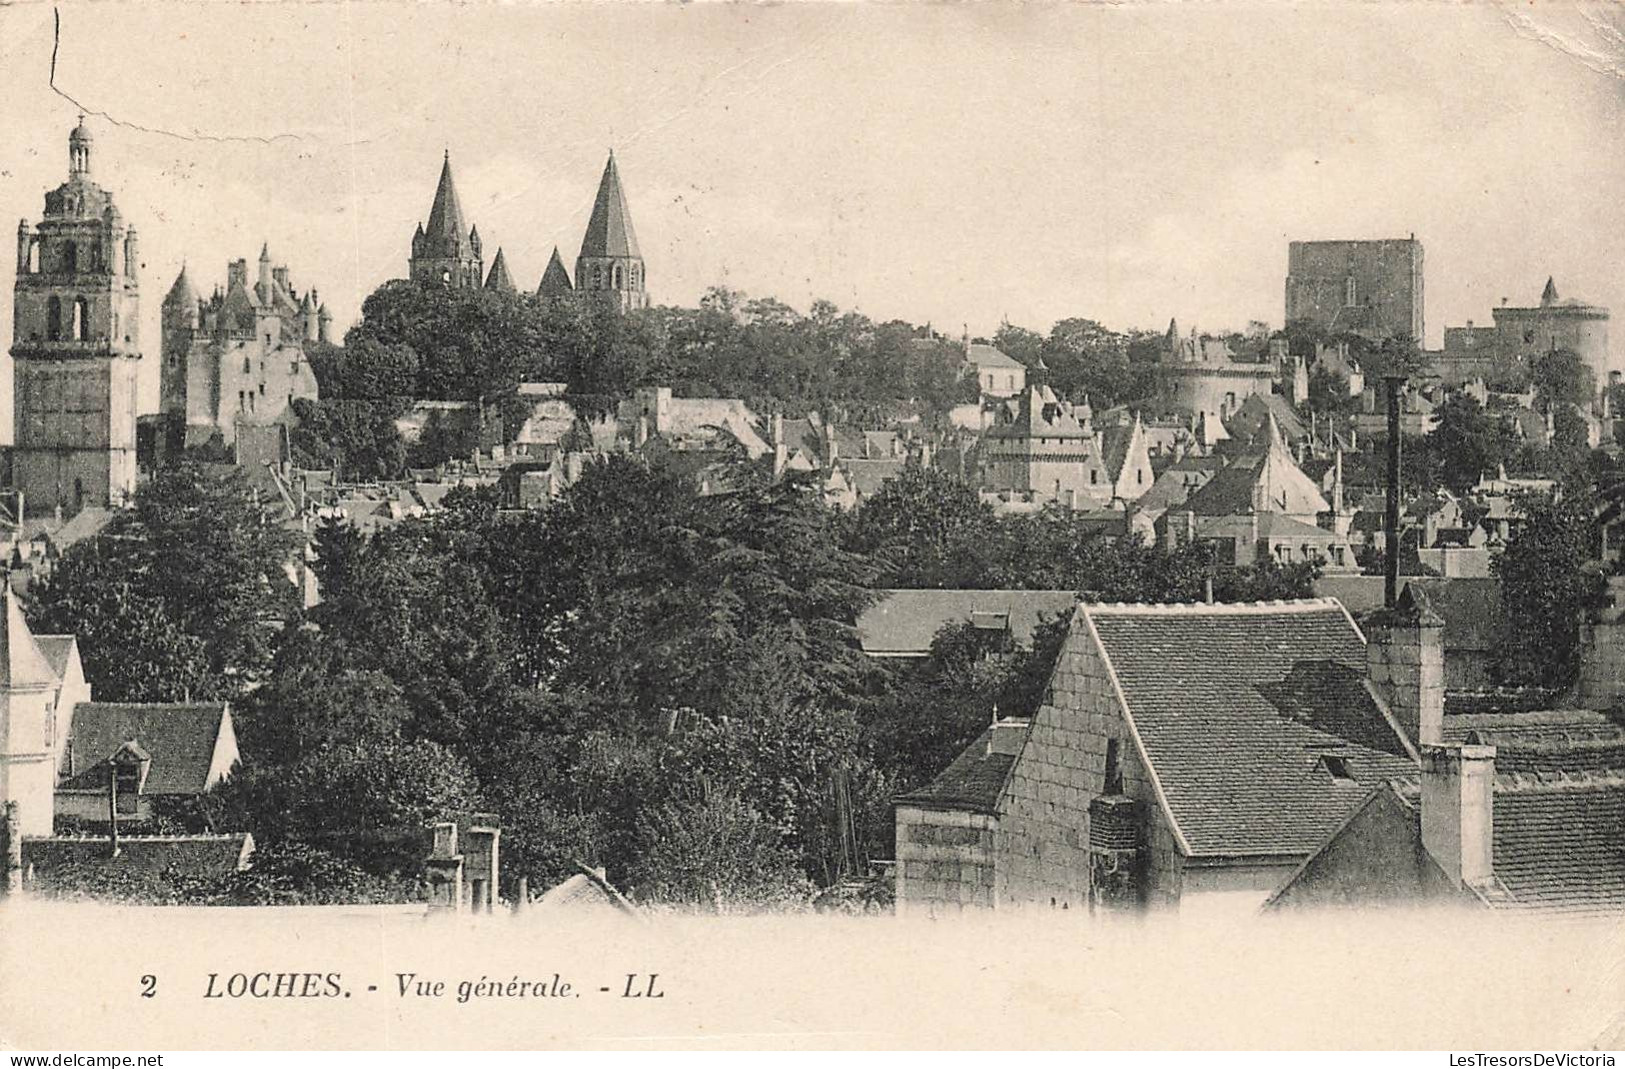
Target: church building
(76, 345)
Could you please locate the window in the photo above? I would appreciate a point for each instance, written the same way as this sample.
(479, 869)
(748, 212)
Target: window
(1338, 766)
(81, 319)
(1139, 476)
(129, 789)
(246, 366)
(70, 257)
(242, 401)
(53, 319)
(262, 389)
(1094, 476)
(78, 494)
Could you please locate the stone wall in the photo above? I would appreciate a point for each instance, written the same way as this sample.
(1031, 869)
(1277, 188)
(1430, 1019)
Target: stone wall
(1043, 830)
(945, 860)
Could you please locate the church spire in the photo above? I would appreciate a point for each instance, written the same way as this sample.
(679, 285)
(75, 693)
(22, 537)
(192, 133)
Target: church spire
(499, 279)
(610, 267)
(556, 279)
(446, 249)
(1548, 296)
(609, 230)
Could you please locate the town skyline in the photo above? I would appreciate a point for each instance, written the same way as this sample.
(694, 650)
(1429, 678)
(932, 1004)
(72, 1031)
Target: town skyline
(1168, 180)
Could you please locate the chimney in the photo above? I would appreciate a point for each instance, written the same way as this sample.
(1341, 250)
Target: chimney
(1404, 656)
(1458, 811)
(1602, 651)
(1006, 735)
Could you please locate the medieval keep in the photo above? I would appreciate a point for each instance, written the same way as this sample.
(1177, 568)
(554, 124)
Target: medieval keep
(75, 346)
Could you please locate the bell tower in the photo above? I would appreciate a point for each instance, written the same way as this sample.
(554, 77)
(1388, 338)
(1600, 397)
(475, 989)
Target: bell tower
(75, 347)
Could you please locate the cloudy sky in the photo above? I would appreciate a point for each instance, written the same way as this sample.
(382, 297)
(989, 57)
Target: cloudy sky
(950, 163)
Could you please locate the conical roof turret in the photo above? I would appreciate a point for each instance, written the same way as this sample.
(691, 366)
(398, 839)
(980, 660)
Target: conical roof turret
(1549, 294)
(181, 294)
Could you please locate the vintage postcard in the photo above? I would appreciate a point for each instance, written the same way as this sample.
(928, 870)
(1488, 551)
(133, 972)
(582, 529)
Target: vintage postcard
(826, 526)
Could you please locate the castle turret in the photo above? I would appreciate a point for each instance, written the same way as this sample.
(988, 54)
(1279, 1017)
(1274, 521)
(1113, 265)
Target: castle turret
(610, 267)
(324, 325)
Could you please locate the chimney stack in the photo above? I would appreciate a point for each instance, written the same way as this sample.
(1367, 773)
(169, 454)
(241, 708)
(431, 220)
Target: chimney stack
(1458, 811)
(1405, 664)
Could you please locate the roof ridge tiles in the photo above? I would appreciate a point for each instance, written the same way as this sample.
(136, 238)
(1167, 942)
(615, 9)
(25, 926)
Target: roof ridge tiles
(1222, 608)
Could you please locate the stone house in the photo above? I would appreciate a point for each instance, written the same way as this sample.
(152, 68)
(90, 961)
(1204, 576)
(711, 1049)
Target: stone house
(1185, 757)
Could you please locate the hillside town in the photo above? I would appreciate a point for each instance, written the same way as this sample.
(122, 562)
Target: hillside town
(536, 593)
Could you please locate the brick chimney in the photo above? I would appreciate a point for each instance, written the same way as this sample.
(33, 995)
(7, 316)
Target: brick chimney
(1602, 651)
(1458, 811)
(1404, 656)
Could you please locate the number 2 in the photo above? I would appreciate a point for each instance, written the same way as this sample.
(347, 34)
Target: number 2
(149, 986)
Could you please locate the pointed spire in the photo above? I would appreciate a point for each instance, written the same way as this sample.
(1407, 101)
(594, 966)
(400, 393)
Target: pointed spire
(265, 252)
(609, 230)
(1548, 295)
(498, 278)
(446, 225)
(556, 279)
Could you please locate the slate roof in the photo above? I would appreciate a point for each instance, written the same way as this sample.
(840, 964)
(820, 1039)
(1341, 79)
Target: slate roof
(181, 739)
(868, 476)
(193, 854)
(609, 230)
(1259, 481)
(1234, 705)
(1558, 846)
(980, 356)
(498, 278)
(22, 663)
(903, 623)
(973, 781)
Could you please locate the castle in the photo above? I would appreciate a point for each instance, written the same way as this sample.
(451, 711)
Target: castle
(238, 357)
(609, 269)
(1371, 288)
(76, 345)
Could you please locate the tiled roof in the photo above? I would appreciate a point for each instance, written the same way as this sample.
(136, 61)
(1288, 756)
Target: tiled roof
(1558, 845)
(903, 623)
(181, 739)
(1235, 706)
(868, 476)
(194, 854)
(974, 780)
(1269, 480)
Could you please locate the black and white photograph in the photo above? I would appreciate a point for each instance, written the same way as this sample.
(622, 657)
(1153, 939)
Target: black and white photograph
(813, 526)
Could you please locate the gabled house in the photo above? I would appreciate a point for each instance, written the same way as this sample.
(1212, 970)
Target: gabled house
(155, 753)
(1185, 756)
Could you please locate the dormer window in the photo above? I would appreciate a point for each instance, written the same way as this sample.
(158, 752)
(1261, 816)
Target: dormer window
(1338, 767)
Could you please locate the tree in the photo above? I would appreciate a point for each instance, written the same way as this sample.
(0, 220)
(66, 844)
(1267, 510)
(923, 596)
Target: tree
(192, 581)
(925, 528)
(716, 853)
(1562, 378)
(1548, 576)
(1466, 442)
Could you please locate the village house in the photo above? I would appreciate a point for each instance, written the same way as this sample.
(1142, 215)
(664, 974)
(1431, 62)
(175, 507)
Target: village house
(1512, 808)
(1185, 756)
(1262, 506)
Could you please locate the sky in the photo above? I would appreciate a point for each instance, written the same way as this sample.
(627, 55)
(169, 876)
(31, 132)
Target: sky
(957, 164)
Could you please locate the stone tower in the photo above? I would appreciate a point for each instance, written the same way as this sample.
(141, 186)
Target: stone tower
(75, 347)
(610, 267)
(443, 251)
